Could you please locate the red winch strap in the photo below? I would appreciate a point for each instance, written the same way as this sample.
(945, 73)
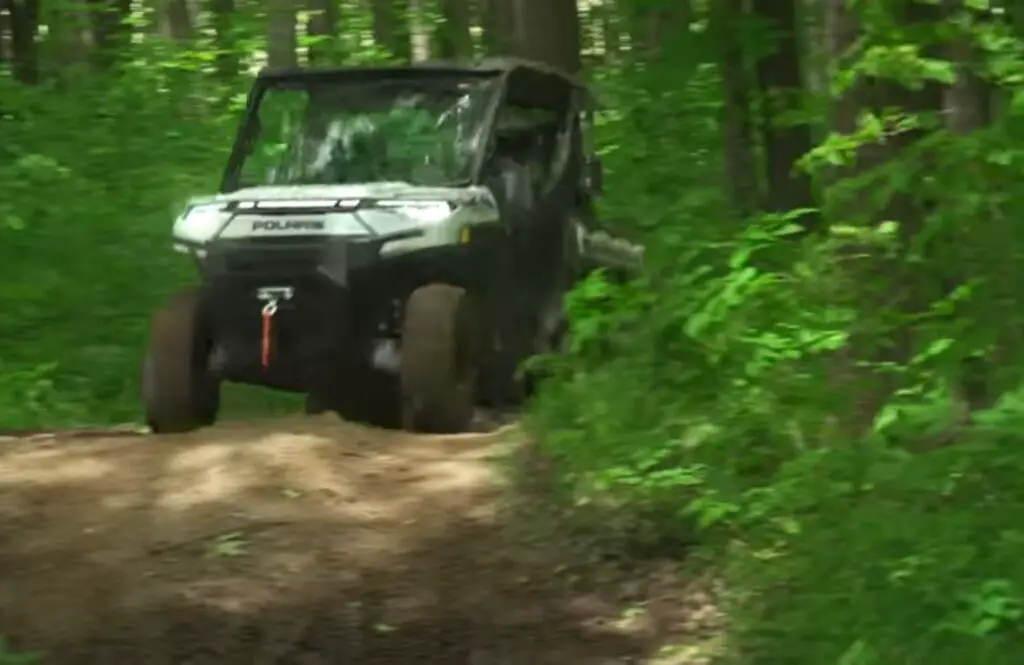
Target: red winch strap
(265, 341)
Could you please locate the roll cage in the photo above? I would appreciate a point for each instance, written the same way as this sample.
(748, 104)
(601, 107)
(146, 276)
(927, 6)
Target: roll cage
(520, 83)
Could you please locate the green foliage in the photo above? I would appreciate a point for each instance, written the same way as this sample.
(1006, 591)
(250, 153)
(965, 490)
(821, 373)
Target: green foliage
(809, 405)
(92, 171)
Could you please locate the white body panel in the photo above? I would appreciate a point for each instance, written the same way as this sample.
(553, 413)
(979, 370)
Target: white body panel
(436, 215)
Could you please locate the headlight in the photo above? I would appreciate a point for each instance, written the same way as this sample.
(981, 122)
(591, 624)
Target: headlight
(199, 223)
(424, 212)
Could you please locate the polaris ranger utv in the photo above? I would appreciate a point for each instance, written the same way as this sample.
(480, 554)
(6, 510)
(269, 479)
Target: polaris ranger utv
(392, 242)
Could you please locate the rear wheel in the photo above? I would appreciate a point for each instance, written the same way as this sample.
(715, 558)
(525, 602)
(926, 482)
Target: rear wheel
(178, 392)
(439, 360)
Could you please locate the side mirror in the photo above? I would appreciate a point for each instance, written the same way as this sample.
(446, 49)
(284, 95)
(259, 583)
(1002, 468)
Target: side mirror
(595, 175)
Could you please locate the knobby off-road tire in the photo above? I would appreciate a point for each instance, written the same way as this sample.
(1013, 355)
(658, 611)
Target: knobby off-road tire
(439, 360)
(178, 392)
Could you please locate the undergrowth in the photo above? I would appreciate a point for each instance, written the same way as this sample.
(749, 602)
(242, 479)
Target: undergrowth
(805, 407)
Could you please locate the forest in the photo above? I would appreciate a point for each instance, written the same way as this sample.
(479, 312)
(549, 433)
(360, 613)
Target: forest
(814, 386)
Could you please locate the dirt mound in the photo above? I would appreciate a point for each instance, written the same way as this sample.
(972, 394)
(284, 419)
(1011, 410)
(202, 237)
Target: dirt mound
(311, 542)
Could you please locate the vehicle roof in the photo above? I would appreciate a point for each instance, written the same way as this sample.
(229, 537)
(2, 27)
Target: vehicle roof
(484, 67)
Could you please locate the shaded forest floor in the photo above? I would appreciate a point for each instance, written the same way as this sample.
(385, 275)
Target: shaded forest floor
(310, 541)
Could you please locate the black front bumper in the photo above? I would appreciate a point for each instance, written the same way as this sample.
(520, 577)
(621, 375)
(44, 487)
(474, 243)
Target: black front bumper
(333, 259)
(313, 333)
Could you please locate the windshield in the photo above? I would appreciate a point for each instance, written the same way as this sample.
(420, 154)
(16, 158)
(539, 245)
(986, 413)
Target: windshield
(423, 132)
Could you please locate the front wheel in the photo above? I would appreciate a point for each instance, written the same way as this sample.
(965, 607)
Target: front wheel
(439, 360)
(178, 392)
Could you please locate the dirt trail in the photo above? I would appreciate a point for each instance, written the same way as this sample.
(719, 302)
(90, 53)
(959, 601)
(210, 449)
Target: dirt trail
(313, 541)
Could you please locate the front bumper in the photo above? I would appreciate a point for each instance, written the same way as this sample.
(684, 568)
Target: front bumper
(307, 334)
(318, 328)
(333, 258)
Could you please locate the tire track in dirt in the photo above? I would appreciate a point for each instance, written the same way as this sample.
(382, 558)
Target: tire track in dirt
(304, 541)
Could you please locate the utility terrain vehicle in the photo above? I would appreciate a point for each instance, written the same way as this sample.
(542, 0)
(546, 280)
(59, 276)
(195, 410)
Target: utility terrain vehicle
(392, 242)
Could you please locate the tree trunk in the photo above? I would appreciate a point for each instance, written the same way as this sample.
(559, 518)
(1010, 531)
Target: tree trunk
(452, 35)
(176, 20)
(5, 31)
(420, 31)
(886, 285)
(968, 108)
(927, 99)
(741, 181)
(611, 30)
(23, 16)
(590, 28)
(222, 14)
(914, 288)
(110, 30)
(968, 100)
(391, 28)
(815, 46)
(547, 31)
(282, 40)
(323, 25)
(651, 28)
(68, 40)
(841, 30)
(639, 21)
(497, 18)
(780, 81)
(668, 25)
